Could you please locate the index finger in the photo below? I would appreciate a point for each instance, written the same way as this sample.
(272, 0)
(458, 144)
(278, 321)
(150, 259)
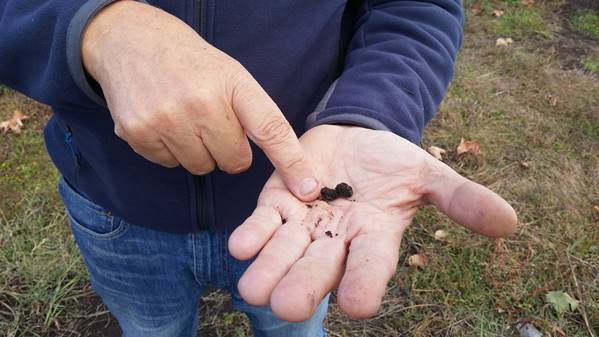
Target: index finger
(266, 125)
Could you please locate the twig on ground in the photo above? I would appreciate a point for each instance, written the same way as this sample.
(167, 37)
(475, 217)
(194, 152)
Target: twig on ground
(582, 309)
(585, 262)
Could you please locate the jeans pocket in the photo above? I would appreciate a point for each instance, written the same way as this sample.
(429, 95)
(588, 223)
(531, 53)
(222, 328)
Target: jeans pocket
(89, 218)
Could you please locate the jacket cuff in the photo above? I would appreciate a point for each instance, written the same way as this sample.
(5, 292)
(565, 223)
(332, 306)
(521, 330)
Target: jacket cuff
(74, 40)
(353, 115)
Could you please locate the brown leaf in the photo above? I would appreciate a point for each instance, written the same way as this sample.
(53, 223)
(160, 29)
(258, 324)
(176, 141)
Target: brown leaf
(15, 123)
(418, 260)
(476, 7)
(437, 152)
(441, 234)
(527, 2)
(471, 146)
(504, 42)
(552, 100)
(596, 208)
(498, 12)
(524, 164)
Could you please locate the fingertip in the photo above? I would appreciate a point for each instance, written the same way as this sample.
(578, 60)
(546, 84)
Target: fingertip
(494, 217)
(357, 301)
(309, 188)
(305, 189)
(251, 291)
(293, 306)
(241, 245)
(248, 239)
(506, 223)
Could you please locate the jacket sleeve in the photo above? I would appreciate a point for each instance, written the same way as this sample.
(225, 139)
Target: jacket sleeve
(397, 68)
(40, 49)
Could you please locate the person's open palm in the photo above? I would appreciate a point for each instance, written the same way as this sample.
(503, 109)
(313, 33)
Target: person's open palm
(308, 249)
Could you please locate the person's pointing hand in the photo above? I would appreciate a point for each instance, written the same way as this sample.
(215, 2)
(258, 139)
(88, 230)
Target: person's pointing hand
(177, 100)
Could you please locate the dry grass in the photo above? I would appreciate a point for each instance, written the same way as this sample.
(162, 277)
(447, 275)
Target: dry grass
(535, 111)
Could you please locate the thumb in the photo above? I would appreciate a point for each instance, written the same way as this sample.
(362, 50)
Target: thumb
(266, 126)
(470, 204)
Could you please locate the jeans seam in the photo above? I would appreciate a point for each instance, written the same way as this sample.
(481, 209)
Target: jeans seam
(225, 259)
(114, 234)
(193, 245)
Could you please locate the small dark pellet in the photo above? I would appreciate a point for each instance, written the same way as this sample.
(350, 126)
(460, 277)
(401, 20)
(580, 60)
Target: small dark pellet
(329, 234)
(328, 194)
(284, 221)
(344, 190)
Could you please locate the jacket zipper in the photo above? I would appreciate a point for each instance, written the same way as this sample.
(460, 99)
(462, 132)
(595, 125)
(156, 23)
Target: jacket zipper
(199, 22)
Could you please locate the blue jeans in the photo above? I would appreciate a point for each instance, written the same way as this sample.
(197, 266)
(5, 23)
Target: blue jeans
(152, 281)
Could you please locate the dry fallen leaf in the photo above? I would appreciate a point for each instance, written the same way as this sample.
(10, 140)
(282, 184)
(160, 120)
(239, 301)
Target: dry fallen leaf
(15, 123)
(552, 100)
(504, 42)
(437, 152)
(472, 146)
(527, 2)
(419, 260)
(524, 164)
(498, 12)
(596, 208)
(476, 7)
(441, 234)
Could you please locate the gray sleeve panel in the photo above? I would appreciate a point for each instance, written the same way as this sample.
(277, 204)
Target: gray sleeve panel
(74, 37)
(322, 105)
(342, 118)
(350, 119)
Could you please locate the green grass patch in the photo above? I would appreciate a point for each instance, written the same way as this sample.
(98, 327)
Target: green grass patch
(520, 23)
(591, 64)
(587, 22)
(3, 90)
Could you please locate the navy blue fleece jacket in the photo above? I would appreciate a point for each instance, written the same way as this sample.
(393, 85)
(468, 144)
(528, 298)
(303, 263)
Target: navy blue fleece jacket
(394, 73)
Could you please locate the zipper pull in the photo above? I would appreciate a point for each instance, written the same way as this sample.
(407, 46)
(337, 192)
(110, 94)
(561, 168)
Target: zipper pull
(68, 138)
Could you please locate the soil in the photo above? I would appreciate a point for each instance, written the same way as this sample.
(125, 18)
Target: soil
(572, 46)
(328, 194)
(342, 190)
(97, 326)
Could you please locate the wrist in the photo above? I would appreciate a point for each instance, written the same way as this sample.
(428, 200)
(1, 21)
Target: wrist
(98, 38)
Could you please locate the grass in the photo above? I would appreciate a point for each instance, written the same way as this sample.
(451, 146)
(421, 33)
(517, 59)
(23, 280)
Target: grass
(521, 23)
(587, 22)
(591, 64)
(41, 274)
(538, 123)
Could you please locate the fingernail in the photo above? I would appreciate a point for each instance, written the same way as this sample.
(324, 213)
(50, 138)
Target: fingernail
(308, 186)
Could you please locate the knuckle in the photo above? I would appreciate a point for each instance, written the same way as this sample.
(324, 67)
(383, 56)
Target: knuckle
(291, 163)
(274, 131)
(201, 168)
(132, 130)
(239, 79)
(240, 165)
(235, 69)
(199, 102)
(169, 162)
(118, 131)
